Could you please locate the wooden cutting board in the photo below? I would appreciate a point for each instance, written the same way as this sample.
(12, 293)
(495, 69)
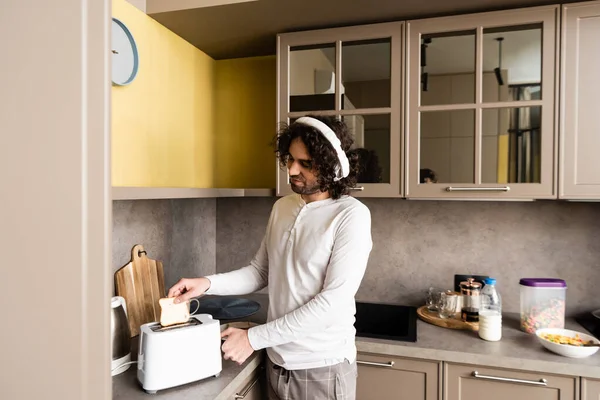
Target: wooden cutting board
(142, 284)
(452, 323)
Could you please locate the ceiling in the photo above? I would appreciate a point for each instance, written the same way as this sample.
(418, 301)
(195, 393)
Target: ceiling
(250, 28)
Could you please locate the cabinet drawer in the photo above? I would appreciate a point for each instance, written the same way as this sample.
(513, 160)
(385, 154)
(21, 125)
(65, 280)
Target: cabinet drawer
(388, 377)
(472, 382)
(590, 389)
(254, 387)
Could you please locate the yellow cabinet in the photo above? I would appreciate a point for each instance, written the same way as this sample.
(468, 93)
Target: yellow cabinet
(162, 123)
(188, 121)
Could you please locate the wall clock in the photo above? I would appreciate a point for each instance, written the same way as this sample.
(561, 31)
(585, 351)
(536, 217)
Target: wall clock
(125, 60)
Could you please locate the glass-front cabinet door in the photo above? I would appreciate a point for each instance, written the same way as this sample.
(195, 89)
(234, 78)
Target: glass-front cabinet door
(354, 74)
(480, 98)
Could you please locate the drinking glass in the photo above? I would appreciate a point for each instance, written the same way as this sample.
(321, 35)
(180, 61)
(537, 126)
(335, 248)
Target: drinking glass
(447, 304)
(433, 298)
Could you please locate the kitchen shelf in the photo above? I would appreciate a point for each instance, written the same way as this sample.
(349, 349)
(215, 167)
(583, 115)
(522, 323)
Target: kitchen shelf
(147, 193)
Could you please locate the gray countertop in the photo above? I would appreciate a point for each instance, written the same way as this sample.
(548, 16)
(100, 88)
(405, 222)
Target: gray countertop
(127, 387)
(516, 350)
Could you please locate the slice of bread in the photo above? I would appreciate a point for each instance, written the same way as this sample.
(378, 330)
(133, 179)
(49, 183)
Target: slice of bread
(171, 313)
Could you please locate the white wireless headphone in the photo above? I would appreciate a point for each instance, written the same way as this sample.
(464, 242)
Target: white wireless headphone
(343, 168)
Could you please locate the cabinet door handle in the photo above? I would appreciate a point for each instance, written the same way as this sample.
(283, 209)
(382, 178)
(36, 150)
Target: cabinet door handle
(247, 390)
(477, 189)
(388, 364)
(541, 382)
(359, 188)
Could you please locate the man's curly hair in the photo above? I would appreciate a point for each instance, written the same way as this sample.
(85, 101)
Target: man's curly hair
(321, 152)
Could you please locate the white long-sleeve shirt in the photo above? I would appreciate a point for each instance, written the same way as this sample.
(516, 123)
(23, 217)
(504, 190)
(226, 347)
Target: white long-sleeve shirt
(313, 257)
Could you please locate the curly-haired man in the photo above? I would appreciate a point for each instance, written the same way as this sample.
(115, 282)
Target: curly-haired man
(313, 258)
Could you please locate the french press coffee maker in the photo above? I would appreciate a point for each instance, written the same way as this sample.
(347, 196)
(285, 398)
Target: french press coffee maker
(470, 291)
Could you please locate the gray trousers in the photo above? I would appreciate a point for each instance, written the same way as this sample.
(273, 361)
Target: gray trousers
(336, 382)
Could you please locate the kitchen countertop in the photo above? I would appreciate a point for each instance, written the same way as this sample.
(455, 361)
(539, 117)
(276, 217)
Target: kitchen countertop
(516, 350)
(125, 386)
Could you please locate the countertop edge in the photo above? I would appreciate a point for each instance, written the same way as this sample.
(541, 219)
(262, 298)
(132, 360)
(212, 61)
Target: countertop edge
(252, 364)
(458, 357)
(153, 193)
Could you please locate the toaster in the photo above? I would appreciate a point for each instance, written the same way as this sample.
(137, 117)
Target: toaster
(179, 354)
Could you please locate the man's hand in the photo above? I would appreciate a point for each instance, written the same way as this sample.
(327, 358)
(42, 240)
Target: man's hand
(185, 289)
(237, 346)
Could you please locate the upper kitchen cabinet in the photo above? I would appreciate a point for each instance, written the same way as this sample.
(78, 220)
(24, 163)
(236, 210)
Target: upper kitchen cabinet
(580, 124)
(480, 96)
(190, 126)
(162, 123)
(353, 73)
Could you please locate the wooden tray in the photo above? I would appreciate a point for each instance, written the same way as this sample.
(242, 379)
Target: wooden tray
(452, 323)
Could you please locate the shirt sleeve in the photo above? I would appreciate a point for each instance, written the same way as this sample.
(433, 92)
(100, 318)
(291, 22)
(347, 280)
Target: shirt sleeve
(347, 265)
(248, 279)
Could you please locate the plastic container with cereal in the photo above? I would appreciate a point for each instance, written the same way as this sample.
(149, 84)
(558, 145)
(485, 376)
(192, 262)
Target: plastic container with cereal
(542, 303)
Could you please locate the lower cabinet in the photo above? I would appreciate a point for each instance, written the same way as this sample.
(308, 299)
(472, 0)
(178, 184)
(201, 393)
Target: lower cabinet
(383, 377)
(471, 382)
(389, 377)
(254, 387)
(590, 389)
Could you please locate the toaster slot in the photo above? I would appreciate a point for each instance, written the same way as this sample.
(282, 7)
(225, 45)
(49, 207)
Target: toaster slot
(159, 328)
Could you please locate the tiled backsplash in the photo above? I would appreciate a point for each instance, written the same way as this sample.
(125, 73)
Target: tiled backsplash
(180, 233)
(146, 222)
(417, 244)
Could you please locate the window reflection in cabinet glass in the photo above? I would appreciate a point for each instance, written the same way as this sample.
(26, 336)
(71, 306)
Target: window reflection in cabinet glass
(372, 143)
(366, 73)
(512, 57)
(312, 78)
(511, 145)
(447, 146)
(448, 68)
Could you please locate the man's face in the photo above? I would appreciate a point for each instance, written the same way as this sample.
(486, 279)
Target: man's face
(301, 169)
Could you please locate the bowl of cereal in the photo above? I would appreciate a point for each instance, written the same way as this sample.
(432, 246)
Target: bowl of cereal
(568, 343)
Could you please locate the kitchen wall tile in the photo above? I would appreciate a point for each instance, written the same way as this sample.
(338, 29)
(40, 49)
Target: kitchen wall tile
(146, 222)
(240, 229)
(180, 233)
(426, 242)
(193, 248)
(418, 244)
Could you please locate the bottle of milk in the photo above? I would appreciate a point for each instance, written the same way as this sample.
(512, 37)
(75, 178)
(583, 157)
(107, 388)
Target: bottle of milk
(490, 312)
